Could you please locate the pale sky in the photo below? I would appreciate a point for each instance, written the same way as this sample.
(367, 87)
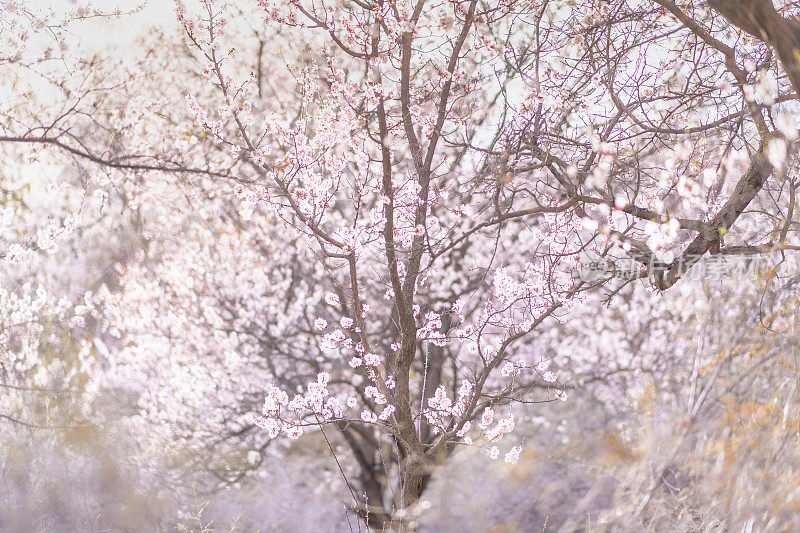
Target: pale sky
(103, 33)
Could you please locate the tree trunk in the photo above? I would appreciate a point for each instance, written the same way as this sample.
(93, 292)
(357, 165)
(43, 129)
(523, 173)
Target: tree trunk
(412, 484)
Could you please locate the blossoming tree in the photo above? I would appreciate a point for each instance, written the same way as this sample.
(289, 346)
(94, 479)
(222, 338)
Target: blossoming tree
(388, 201)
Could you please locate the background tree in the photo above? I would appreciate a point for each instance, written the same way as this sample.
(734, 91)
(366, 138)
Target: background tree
(374, 214)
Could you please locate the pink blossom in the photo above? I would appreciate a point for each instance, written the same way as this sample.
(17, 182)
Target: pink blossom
(331, 298)
(294, 432)
(508, 370)
(487, 417)
(387, 412)
(439, 401)
(271, 426)
(513, 455)
(275, 399)
(504, 425)
(298, 404)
